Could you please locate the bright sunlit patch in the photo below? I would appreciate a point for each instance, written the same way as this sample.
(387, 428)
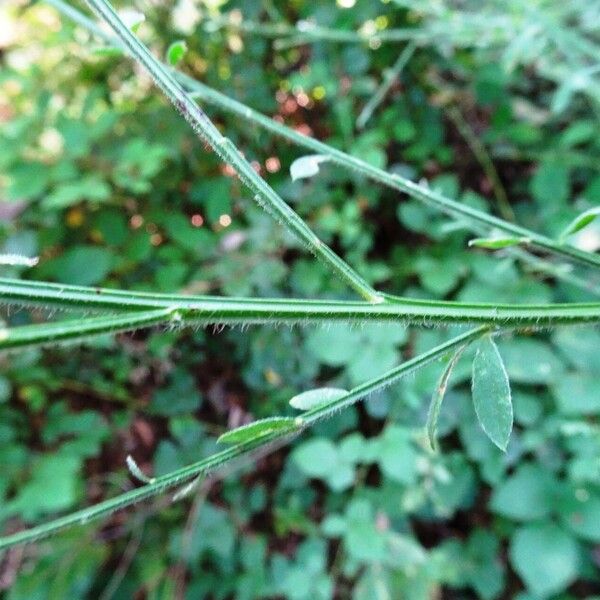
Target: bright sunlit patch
(51, 141)
(136, 221)
(224, 72)
(588, 239)
(75, 217)
(381, 22)
(319, 92)
(302, 99)
(272, 164)
(346, 3)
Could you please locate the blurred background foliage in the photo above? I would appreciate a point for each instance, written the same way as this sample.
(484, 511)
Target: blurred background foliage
(109, 186)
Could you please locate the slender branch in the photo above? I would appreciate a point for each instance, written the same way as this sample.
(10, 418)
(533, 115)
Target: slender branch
(41, 334)
(202, 467)
(483, 158)
(307, 31)
(263, 193)
(389, 78)
(181, 309)
(419, 192)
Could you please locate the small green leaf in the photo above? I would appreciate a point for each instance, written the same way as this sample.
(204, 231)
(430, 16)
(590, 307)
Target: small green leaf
(438, 397)
(312, 398)
(258, 429)
(491, 393)
(545, 557)
(176, 51)
(498, 243)
(580, 222)
(307, 166)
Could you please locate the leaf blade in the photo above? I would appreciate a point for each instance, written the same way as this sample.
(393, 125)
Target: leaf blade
(259, 429)
(317, 397)
(580, 222)
(491, 393)
(498, 243)
(437, 399)
(176, 51)
(307, 166)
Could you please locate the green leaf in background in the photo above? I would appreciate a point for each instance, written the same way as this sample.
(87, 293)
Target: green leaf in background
(258, 429)
(28, 180)
(550, 185)
(580, 222)
(180, 396)
(526, 495)
(176, 51)
(322, 459)
(483, 568)
(545, 557)
(437, 399)
(83, 265)
(498, 243)
(396, 455)
(363, 540)
(531, 361)
(339, 345)
(54, 485)
(313, 398)
(90, 188)
(577, 394)
(579, 509)
(491, 393)
(316, 457)
(306, 166)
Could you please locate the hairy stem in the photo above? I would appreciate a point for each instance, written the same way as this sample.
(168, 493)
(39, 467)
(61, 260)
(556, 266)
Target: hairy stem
(204, 466)
(213, 309)
(417, 191)
(263, 193)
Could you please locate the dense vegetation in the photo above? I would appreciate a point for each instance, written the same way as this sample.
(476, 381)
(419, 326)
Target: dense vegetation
(461, 163)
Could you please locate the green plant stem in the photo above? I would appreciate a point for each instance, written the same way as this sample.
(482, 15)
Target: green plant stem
(210, 309)
(80, 329)
(417, 191)
(483, 158)
(389, 78)
(307, 31)
(202, 467)
(264, 194)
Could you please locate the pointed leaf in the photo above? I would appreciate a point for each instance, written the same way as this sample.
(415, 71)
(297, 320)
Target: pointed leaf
(176, 51)
(312, 398)
(258, 429)
(491, 393)
(307, 166)
(498, 243)
(579, 222)
(438, 397)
